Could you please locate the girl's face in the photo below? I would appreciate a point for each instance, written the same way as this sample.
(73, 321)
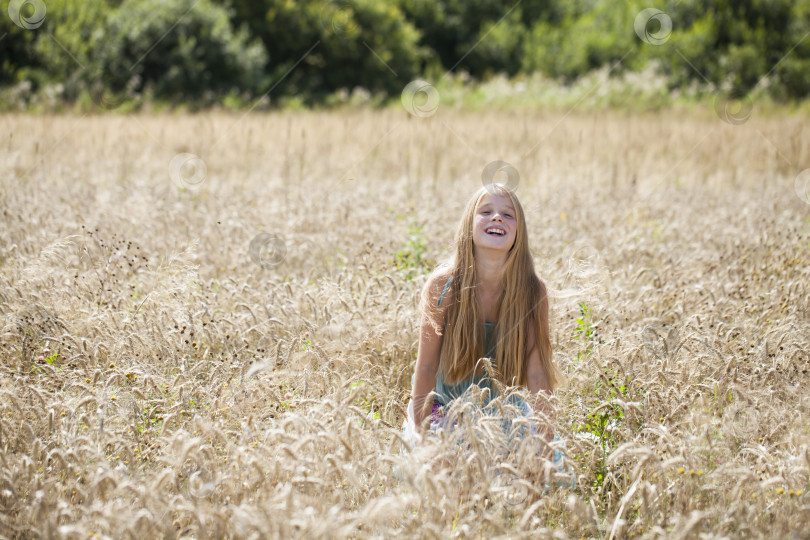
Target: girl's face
(494, 224)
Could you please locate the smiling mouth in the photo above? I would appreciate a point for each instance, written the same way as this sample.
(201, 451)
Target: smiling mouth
(495, 231)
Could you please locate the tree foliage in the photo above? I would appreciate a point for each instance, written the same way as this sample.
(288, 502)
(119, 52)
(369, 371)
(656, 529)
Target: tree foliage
(734, 45)
(177, 49)
(199, 51)
(320, 46)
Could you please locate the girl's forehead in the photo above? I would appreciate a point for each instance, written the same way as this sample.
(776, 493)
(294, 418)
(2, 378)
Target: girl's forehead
(489, 198)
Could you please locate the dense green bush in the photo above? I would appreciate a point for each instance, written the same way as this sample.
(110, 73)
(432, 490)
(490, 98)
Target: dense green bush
(321, 46)
(793, 71)
(176, 50)
(17, 55)
(201, 52)
(733, 45)
(588, 36)
(480, 37)
(64, 47)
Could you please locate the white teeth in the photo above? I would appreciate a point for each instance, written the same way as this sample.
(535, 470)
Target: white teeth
(496, 231)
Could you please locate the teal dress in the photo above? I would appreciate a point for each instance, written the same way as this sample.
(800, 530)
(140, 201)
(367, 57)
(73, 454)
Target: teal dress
(447, 392)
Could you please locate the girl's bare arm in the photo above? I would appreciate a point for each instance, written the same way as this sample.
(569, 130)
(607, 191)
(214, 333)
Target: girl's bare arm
(540, 391)
(537, 378)
(427, 358)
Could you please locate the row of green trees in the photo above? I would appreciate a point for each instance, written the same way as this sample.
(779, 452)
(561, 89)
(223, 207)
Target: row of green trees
(201, 51)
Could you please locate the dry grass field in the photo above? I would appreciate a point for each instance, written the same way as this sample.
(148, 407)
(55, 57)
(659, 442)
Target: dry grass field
(222, 346)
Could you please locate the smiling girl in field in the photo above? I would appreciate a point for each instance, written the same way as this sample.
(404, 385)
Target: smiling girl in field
(487, 303)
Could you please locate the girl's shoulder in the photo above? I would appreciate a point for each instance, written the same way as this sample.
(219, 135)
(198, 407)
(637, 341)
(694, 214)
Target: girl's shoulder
(437, 287)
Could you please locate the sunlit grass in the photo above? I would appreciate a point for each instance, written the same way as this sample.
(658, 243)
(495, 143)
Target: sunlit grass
(157, 382)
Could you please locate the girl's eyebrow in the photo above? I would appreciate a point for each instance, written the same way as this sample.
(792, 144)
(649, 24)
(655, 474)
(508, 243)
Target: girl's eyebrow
(487, 205)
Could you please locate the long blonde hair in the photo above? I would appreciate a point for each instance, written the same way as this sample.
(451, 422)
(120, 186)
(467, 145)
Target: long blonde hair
(524, 304)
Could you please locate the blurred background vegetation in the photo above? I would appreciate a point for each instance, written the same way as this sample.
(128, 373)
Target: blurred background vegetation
(268, 53)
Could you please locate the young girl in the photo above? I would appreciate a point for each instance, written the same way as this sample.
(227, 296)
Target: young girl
(488, 302)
